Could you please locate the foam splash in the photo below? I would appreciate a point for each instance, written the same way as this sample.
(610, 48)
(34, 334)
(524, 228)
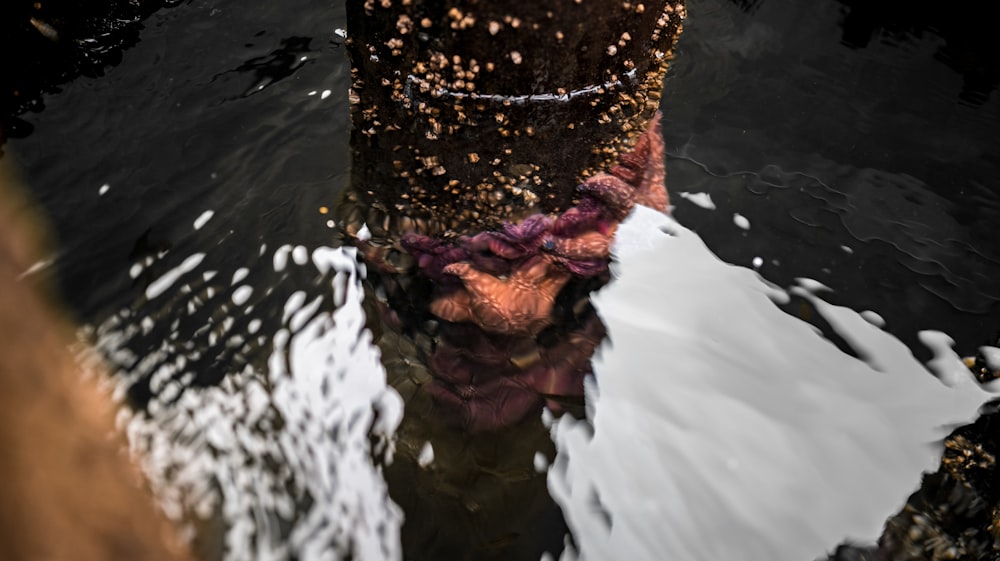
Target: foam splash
(162, 284)
(723, 428)
(280, 454)
(720, 426)
(704, 200)
(203, 219)
(992, 356)
(741, 221)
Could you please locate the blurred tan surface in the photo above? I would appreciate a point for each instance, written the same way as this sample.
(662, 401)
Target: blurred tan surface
(67, 488)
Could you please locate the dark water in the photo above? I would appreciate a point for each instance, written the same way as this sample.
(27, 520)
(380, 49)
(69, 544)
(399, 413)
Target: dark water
(825, 124)
(829, 125)
(209, 111)
(860, 143)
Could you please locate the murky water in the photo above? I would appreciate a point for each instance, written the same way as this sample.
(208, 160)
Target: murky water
(866, 164)
(869, 168)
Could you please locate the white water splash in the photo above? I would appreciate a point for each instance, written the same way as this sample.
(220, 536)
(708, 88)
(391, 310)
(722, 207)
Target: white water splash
(37, 267)
(281, 454)
(723, 428)
(426, 456)
(160, 285)
(992, 357)
(741, 221)
(203, 219)
(704, 200)
(873, 318)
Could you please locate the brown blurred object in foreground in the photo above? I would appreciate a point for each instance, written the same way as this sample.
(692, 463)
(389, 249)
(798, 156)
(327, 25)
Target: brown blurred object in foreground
(67, 489)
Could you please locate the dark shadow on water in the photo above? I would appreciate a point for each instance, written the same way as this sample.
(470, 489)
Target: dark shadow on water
(967, 30)
(279, 64)
(46, 44)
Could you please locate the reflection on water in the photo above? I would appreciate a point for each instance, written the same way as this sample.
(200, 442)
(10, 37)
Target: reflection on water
(277, 65)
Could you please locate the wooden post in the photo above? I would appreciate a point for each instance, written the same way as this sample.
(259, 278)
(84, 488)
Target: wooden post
(469, 112)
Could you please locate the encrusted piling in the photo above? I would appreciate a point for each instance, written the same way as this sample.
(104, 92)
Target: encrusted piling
(468, 112)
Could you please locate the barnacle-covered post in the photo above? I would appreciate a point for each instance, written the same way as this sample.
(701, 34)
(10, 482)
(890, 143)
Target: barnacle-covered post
(474, 123)
(469, 112)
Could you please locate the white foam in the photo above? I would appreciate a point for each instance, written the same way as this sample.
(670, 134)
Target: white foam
(239, 275)
(242, 294)
(364, 234)
(203, 219)
(812, 286)
(281, 257)
(873, 318)
(160, 285)
(283, 452)
(724, 428)
(704, 200)
(37, 267)
(540, 462)
(300, 255)
(946, 365)
(992, 357)
(741, 221)
(426, 456)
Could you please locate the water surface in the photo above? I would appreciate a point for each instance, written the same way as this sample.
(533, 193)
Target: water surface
(869, 165)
